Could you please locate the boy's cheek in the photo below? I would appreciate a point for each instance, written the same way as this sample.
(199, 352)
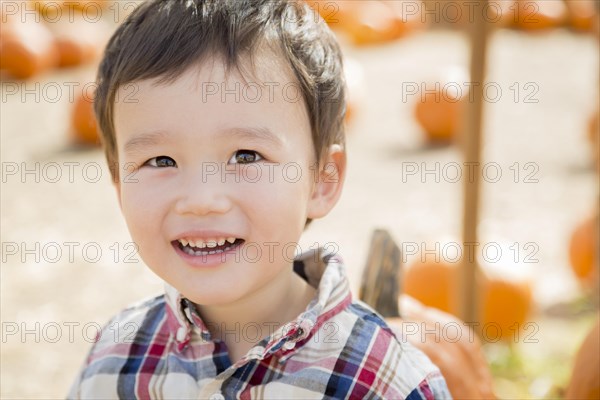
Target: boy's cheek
(140, 206)
(278, 174)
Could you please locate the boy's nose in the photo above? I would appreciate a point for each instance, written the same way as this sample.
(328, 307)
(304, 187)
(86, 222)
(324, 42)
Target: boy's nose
(203, 197)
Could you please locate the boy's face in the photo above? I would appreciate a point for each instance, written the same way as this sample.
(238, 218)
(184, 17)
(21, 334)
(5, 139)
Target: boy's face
(213, 153)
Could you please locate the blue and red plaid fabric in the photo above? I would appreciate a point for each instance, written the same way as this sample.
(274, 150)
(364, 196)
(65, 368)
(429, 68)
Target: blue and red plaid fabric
(338, 348)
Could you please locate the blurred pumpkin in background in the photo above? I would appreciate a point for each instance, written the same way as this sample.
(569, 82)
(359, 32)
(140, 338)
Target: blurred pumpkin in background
(78, 41)
(460, 13)
(370, 22)
(334, 12)
(505, 304)
(380, 22)
(440, 119)
(440, 104)
(27, 48)
(537, 15)
(52, 10)
(449, 344)
(582, 14)
(500, 13)
(83, 121)
(433, 283)
(594, 136)
(61, 35)
(503, 300)
(582, 251)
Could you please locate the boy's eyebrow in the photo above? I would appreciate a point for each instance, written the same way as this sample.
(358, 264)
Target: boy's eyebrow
(144, 140)
(253, 133)
(261, 133)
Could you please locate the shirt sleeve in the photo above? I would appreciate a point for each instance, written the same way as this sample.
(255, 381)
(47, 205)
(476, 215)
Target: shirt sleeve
(433, 386)
(74, 391)
(98, 376)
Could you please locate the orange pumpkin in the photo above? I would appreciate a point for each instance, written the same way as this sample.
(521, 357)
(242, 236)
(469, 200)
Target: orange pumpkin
(26, 48)
(83, 122)
(439, 112)
(500, 13)
(503, 304)
(582, 251)
(335, 13)
(408, 16)
(460, 13)
(594, 136)
(535, 15)
(52, 10)
(582, 14)
(433, 284)
(446, 340)
(5, 22)
(78, 41)
(585, 378)
(370, 22)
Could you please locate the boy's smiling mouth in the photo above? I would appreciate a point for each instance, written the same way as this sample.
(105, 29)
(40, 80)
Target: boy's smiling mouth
(199, 247)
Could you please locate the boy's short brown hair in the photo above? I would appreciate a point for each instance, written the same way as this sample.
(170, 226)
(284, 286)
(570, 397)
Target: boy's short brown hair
(163, 38)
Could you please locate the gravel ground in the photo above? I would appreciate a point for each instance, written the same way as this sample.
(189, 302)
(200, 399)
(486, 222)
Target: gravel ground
(50, 309)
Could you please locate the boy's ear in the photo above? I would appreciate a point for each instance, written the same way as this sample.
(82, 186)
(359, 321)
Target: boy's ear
(327, 187)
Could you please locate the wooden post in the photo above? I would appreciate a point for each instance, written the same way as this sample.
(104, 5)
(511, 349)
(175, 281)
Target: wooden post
(380, 283)
(471, 146)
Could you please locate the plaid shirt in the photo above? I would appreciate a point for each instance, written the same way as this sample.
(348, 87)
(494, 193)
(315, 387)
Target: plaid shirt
(337, 348)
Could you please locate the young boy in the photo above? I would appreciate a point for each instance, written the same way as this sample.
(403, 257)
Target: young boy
(225, 119)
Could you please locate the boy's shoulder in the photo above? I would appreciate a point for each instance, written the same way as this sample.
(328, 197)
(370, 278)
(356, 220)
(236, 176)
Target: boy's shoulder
(140, 309)
(353, 346)
(138, 324)
(371, 361)
(133, 327)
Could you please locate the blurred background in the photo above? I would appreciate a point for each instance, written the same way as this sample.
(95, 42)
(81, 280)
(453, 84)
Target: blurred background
(68, 263)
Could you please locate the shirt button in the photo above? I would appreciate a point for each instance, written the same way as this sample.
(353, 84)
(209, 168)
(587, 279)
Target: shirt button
(217, 396)
(181, 334)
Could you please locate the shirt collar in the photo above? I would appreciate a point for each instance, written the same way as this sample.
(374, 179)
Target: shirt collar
(322, 269)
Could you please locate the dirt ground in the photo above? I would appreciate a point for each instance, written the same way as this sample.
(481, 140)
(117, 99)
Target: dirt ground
(52, 306)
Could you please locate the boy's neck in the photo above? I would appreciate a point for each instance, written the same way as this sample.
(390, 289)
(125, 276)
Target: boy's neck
(277, 303)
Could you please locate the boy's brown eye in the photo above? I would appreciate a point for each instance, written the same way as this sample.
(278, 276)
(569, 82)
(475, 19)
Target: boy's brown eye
(161, 161)
(246, 156)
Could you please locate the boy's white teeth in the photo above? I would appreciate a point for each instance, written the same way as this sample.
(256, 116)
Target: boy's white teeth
(210, 243)
(200, 248)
